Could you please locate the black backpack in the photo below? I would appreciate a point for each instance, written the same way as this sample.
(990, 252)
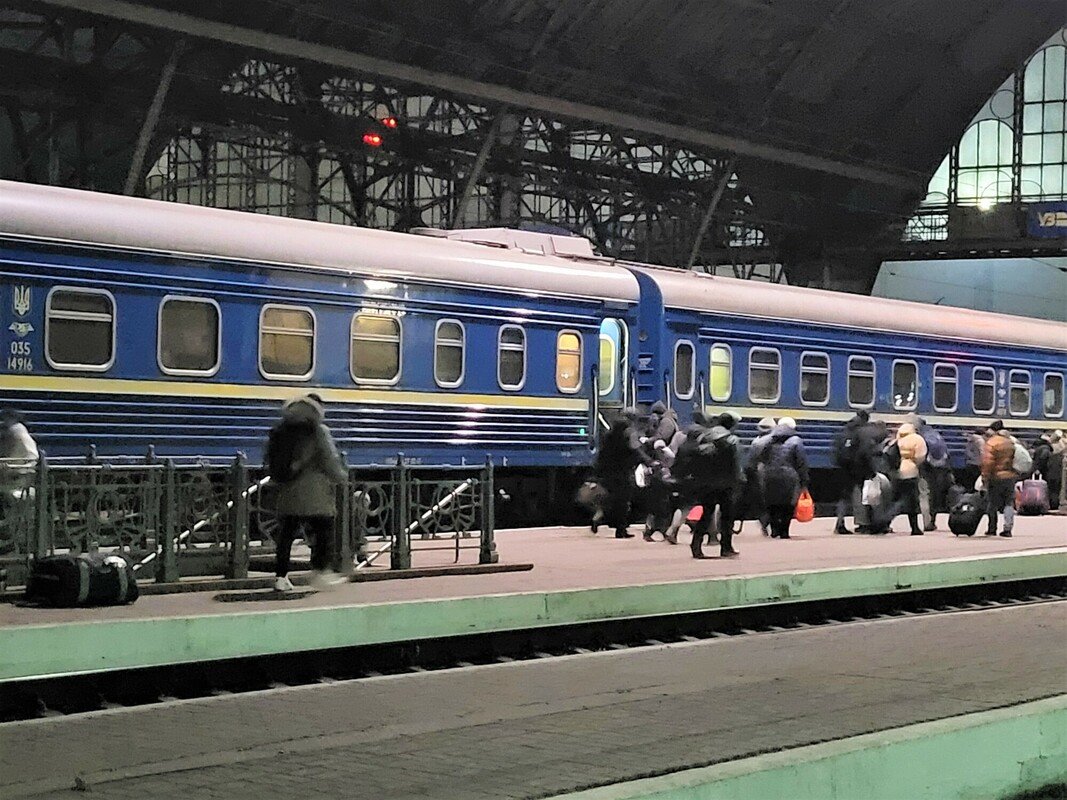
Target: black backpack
(846, 446)
(723, 459)
(286, 439)
(892, 455)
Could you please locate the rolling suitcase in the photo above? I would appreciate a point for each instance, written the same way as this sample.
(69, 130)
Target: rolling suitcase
(966, 515)
(89, 579)
(1031, 497)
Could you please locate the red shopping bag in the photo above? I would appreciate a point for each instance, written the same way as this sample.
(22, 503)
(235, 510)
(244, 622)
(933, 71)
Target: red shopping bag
(805, 511)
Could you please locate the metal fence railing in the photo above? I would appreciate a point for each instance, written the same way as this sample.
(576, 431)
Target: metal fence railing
(185, 520)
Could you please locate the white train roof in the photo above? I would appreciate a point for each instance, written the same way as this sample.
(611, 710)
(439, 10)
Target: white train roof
(690, 290)
(52, 213)
(526, 262)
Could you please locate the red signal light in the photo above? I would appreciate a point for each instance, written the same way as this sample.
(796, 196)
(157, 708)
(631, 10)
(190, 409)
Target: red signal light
(372, 139)
(390, 122)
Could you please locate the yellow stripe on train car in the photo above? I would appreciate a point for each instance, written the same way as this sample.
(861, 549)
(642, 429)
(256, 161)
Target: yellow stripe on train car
(892, 418)
(240, 391)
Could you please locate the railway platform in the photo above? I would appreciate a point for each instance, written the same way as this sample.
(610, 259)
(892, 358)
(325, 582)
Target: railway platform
(576, 578)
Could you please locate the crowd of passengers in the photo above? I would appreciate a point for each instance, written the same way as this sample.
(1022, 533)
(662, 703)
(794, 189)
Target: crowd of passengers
(884, 473)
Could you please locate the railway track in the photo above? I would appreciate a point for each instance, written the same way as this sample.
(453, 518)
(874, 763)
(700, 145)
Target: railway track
(80, 694)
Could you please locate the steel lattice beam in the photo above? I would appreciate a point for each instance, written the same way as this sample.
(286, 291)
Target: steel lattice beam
(346, 60)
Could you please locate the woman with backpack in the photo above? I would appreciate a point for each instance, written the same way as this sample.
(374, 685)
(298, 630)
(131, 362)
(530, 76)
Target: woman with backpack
(303, 462)
(935, 472)
(784, 466)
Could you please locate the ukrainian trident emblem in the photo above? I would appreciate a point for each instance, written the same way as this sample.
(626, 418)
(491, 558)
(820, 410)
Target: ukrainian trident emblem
(21, 300)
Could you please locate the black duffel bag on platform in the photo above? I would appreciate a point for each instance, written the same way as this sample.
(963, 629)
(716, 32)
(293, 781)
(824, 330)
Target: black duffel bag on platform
(89, 579)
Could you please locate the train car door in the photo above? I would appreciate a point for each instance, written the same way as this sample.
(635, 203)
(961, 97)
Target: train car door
(613, 373)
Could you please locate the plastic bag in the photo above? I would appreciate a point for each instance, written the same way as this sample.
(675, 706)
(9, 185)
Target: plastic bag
(805, 511)
(872, 492)
(642, 475)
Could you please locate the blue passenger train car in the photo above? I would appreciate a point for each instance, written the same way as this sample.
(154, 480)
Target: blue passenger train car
(130, 323)
(817, 356)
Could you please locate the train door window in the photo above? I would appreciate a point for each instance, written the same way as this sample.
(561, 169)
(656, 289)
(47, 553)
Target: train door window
(720, 382)
(568, 361)
(983, 390)
(511, 357)
(449, 356)
(286, 342)
(861, 376)
(814, 379)
(189, 336)
(946, 387)
(607, 371)
(1053, 394)
(764, 375)
(1019, 392)
(684, 370)
(905, 385)
(375, 351)
(79, 329)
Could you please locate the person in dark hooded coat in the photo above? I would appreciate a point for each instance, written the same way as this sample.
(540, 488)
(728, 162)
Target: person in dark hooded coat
(619, 455)
(303, 462)
(708, 469)
(663, 423)
(785, 474)
(757, 506)
(852, 456)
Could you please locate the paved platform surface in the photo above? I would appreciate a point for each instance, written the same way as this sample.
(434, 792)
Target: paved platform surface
(573, 558)
(543, 727)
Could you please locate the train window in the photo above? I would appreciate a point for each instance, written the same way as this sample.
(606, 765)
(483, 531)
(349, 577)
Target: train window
(861, 375)
(814, 379)
(449, 358)
(608, 361)
(684, 370)
(764, 375)
(375, 353)
(946, 387)
(1019, 392)
(1053, 395)
(983, 390)
(79, 329)
(905, 385)
(286, 342)
(568, 361)
(189, 336)
(511, 357)
(721, 372)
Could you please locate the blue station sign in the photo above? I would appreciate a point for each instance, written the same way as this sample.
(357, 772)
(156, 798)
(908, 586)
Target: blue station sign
(1047, 220)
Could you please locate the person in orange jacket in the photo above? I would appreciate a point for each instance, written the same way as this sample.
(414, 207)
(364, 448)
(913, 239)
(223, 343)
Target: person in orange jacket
(999, 477)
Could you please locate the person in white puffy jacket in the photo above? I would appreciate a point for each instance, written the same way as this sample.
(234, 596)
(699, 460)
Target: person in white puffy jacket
(18, 457)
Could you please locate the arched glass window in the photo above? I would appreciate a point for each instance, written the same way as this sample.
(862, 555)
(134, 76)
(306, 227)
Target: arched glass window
(1013, 145)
